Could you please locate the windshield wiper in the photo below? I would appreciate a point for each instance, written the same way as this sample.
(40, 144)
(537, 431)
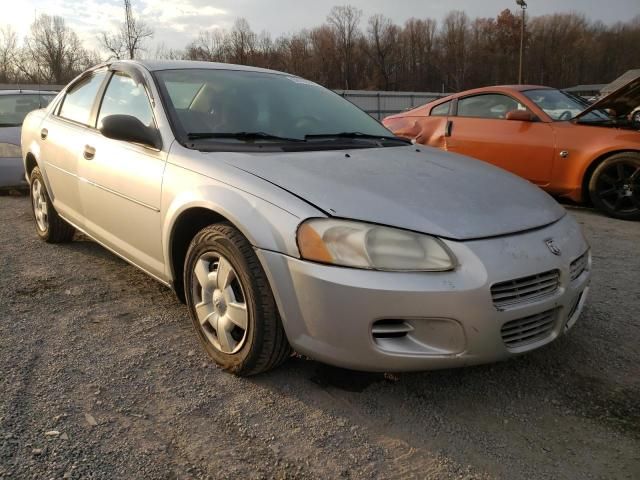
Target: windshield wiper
(10, 124)
(366, 136)
(240, 136)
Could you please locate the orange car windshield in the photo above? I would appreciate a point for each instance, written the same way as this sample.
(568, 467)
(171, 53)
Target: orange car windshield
(561, 106)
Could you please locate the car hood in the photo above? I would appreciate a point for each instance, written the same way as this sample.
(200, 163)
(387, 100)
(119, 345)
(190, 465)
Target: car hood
(622, 101)
(424, 190)
(10, 135)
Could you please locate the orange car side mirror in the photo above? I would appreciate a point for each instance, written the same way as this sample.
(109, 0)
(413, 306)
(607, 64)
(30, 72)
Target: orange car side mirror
(520, 115)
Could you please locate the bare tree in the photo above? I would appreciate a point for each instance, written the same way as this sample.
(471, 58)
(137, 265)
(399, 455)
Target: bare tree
(52, 52)
(383, 47)
(8, 53)
(129, 41)
(242, 42)
(460, 53)
(210, 46)
(454, 37)
(344, 21)
(419, 53)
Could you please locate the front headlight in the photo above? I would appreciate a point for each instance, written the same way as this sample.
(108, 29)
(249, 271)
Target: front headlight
(363, 245)
(9, 150)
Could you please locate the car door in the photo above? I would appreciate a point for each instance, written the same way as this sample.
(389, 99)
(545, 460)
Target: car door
(62, 138)
(123, 180)
(479, 128)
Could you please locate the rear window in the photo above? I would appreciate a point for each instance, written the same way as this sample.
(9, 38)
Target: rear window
(14, 107)
(78, 101)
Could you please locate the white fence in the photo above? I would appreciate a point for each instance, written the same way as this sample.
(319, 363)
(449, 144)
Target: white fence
(23, 86)
(381, 104)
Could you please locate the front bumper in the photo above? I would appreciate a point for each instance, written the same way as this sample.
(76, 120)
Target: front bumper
(12, 173)
(450, 319)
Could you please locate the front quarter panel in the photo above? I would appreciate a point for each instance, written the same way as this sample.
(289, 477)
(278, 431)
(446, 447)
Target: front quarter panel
(268, 221)
(584, 145)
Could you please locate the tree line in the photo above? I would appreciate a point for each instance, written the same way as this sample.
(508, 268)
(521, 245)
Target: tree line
(348, 51)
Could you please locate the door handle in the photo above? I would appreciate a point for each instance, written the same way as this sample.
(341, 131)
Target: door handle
(43, 133)
(89, 152)
(448, 128)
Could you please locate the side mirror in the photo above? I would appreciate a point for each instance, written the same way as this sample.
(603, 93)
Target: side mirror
(520, 115)
(129, 129)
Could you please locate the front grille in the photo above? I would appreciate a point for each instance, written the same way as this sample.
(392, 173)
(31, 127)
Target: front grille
(525, 289)
(523, 331)
(579, 265)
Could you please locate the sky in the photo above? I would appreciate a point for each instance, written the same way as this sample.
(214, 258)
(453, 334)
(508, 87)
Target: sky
(177, 22)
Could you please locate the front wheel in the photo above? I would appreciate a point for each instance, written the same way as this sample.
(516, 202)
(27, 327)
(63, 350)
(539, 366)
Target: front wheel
(49, 225)
(614, 187)
(231, 305)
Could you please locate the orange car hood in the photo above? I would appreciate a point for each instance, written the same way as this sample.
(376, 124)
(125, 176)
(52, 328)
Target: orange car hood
(622, 101)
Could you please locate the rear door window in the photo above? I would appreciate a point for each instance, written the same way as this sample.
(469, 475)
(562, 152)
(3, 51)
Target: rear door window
(78, 101)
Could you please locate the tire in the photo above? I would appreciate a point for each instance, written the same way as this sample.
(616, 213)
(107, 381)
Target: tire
(221, 274)
(614, 187)
(49, 225)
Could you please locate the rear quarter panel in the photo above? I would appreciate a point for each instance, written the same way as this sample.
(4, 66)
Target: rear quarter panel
(423, 129)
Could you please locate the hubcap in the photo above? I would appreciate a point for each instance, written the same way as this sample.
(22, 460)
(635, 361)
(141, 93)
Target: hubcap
(619, 187)
(219, 303)
(39, 201)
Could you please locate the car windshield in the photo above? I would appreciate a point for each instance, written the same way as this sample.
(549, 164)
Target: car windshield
(14, 107)
(241, 106)
(561, 106)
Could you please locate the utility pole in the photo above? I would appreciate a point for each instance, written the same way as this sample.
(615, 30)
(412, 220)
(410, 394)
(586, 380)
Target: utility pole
(523, 5)
(129, 26)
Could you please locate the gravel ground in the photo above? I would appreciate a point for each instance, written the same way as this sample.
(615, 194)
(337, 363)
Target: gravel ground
(102, 377)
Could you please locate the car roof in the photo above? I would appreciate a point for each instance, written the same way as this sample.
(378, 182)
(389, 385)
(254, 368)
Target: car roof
(158, 65)
(499, 88)
(28, 92)
(492, 89)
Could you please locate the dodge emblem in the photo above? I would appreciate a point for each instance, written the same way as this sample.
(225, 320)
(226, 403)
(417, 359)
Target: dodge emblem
(552, 246)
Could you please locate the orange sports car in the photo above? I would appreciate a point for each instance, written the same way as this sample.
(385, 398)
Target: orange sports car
(555, 140)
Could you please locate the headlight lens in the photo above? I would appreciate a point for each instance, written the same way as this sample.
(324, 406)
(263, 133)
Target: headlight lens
(9, 150)
(363, 245)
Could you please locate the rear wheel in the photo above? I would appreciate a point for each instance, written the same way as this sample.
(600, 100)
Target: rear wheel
(614, 187)
(231, 305)
(49, 225)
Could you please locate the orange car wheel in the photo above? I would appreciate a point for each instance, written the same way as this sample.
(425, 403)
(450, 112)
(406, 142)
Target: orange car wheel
(614, 187)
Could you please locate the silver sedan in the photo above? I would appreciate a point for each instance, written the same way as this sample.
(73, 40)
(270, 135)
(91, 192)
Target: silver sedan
(286, 218)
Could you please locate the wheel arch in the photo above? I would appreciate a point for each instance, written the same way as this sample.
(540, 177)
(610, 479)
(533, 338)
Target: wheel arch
(264, 225)
(586, 177)
(30, 163)
(186, 225)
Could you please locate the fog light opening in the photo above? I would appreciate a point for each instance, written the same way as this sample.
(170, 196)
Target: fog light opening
(389, 328)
